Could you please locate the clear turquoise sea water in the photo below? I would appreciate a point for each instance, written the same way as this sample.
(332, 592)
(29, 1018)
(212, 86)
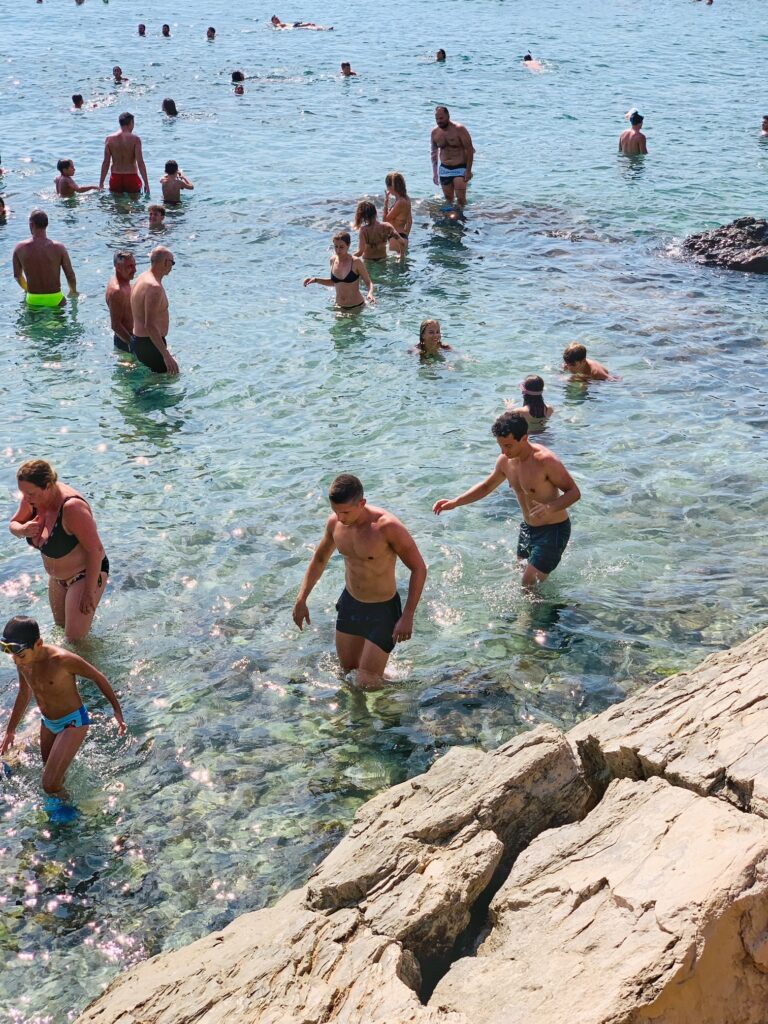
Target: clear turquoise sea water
(247, 757)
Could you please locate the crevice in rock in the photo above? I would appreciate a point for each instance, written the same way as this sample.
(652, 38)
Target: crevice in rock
(468, 941)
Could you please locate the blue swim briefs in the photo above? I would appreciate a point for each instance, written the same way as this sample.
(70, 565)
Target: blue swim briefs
(79, 717)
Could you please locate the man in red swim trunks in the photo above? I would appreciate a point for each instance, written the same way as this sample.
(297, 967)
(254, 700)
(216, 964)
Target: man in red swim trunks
(123, 151)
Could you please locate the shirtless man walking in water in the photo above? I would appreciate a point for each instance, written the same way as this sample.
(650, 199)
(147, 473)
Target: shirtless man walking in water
(370, 620)
(452, 145)
(118, 299)
(38, 263)
(149, 306)
(544, 489)
(123, 150)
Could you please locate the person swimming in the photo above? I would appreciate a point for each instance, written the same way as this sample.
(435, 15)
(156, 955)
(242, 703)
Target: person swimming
(374, 234)
(169, 107)
(346, 272)
(430, 340)
(399, 214)
(534, 407)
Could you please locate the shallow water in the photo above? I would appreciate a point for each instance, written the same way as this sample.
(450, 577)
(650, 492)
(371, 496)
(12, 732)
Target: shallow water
(247, 757)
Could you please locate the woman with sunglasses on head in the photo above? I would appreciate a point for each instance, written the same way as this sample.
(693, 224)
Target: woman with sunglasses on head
(58, 521)
(534, 408)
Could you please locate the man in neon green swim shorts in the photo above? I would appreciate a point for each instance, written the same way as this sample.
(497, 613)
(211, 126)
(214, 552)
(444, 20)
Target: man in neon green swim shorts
(38, 263)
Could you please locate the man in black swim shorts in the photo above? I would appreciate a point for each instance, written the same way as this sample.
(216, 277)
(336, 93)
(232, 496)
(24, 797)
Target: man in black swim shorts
(544, 488)
(370, 620)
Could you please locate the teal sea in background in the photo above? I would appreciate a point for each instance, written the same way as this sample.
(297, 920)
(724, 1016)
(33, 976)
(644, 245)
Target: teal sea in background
(247, 755)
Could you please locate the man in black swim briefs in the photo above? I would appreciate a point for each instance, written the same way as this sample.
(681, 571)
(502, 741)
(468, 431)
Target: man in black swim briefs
(544, 488)
(370, 620)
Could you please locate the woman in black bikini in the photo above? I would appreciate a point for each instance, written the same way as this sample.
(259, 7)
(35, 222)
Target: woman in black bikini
(346, 272)
(58, 521)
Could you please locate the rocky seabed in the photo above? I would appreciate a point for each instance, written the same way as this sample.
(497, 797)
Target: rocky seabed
(615, 874)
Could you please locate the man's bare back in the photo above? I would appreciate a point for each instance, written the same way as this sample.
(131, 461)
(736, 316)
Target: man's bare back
(42, 261)
(632, 142)
(149, 306)
(122, 149)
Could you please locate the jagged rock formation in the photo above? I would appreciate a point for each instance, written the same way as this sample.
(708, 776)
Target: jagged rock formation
(614, 875)
(742, 245)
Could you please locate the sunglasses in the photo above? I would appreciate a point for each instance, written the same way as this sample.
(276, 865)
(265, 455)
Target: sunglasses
(11, 647)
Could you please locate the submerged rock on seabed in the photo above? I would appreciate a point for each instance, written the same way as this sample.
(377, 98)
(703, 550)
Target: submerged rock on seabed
(742, 245)
(614, 875)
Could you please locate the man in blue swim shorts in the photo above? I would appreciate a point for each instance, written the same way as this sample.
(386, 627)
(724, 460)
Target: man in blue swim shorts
(452, 156)
(48, 674)
(544, 488)
(370, 620)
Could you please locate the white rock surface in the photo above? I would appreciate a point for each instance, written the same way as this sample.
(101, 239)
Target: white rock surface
(654, 908)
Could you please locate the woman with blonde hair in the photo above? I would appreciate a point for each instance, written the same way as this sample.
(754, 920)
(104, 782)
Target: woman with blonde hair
(399, 214)
(58, 521)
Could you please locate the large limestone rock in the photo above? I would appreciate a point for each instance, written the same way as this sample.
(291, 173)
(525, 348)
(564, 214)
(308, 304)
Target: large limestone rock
(742, 245)
(654, 908)
(395, 895)
(705, 730)
(629, 862)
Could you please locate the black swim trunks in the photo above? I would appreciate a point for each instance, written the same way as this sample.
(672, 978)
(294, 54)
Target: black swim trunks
(146, 352)
(375, 620)
(119, 343)
(543, 546)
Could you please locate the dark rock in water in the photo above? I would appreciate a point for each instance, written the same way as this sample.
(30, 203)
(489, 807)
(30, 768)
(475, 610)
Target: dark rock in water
(742, 245)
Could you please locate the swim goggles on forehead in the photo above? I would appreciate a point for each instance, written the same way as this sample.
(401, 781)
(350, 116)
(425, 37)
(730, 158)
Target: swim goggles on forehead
(11, 647)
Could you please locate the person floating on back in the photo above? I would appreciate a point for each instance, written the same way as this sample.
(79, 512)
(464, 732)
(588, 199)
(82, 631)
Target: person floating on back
(632, 142)
(173, 181)
(65, 183)
(544, 489)
(49, 674)
(575, 361)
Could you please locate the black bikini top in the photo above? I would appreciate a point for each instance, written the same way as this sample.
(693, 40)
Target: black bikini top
(349, 279)
(59, 543)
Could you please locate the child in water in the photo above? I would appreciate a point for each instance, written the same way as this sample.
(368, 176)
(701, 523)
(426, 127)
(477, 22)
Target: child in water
(374, 234)
(65, 183)
(575, 361)
(173, 181)
(48, 674)
(399, 214)
(534, 408)
(430, 340)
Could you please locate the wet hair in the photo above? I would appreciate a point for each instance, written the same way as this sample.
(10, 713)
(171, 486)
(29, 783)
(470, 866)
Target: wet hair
(166, 26)
(396, 181)
(345, 489)
(443, 108)
(240, 89)
(169, 107)
(527, 57)
(211, 29)
(510, 423)
(125, 119)
(365, 213)
(117, 68)
(156, 208)
(439, 52)
(37, 472)
(635, 117)
(62, 164)
(342, 236)
(574, 353)
(142, 26)
(77, 99)
(423, 326)
(39, 218)
(121, 256)
(171, 167)
(21, 630)
(533, 387)
(238, 76)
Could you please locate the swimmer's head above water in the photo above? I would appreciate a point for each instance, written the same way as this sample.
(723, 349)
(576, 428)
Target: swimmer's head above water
(77, 101)
(341, 242)
(238, 76)
(65, 167)
(142, 29)
(440, 56)
(532, 389)
(210, 33)
(635, 118)
(169, 107)
(156, 215)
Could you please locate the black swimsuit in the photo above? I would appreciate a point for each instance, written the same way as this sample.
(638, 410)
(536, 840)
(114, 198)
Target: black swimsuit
(349, 279)
(61, 543)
